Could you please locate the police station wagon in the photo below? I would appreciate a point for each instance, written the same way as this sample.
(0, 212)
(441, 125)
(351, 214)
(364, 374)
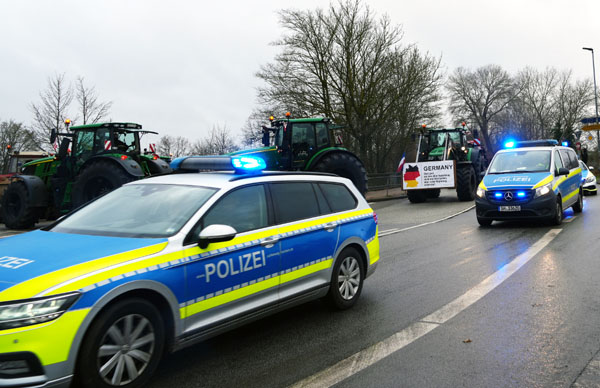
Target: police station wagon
(530, 180)
(165, 262)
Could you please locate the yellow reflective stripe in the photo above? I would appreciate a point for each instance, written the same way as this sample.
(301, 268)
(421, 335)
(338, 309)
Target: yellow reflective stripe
(570, 195)
(228, 297)
(373, 248)
(288, 277)
(51, 341)
(243, 292)
(559, 181)
(544, 181)
(575, 172)
(481, 185)
(32, 287)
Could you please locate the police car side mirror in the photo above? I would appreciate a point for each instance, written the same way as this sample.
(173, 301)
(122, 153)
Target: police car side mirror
(215, 233)
(563, 171)
(591, 167)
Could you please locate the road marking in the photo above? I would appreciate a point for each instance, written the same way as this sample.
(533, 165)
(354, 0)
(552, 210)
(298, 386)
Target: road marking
(369, 356)
(396, 230)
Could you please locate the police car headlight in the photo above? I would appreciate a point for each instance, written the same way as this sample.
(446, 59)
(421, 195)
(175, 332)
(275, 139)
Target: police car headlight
(589, 179)
(543, 190)
(480, 192)
(27, 312)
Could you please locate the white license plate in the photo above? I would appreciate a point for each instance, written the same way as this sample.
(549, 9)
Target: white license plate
(510, 208)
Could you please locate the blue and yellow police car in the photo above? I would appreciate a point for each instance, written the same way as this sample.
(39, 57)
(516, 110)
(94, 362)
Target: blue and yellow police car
(166, 262)
(530, 180)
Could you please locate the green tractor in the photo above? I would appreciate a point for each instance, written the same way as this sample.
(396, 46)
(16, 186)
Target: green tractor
(446, 158)
(308, 144)
(91, 161)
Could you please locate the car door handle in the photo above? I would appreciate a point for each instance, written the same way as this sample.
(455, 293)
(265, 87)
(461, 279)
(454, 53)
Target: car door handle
(269, 241)
(330, 226)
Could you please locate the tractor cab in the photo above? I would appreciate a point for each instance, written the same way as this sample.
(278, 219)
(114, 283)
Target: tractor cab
(445, 144)
(298, 140)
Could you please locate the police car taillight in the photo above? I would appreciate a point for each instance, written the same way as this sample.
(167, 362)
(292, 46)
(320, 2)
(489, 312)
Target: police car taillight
(375, 218)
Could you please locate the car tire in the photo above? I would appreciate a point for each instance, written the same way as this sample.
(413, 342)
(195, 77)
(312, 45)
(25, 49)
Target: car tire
(557, 218)
(346, 279)
(484, 221)
(578, 206)
(123, 346)
(17, 211)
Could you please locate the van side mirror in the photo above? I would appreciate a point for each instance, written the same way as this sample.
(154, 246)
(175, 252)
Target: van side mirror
(591, 167)
(215, 233)
(563, 171)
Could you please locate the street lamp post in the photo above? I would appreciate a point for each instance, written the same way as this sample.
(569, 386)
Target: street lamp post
(596, 99)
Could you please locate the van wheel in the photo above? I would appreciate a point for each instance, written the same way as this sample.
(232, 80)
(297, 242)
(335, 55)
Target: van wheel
(558, 212)
(578, 206)
(123, 346)
(484, 221)
(346, 280)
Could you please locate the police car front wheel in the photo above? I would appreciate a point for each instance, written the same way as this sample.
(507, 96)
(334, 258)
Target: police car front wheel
(347, 279)
(123, 346)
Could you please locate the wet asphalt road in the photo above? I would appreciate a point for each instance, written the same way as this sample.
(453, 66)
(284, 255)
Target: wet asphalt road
(538, 328)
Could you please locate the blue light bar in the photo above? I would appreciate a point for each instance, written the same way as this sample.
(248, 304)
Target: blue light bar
(565, 143)
(509, 144)
(521, 194)
(498, 195)
(248, 163)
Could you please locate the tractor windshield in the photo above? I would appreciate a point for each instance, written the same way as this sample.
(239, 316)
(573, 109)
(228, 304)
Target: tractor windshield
(520, 161)
(139, 210)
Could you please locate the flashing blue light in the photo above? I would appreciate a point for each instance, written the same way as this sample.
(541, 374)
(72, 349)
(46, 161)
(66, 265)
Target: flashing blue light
(509, 144)
(565, 143)
(521, 194)
(248, 163)
(498, 195)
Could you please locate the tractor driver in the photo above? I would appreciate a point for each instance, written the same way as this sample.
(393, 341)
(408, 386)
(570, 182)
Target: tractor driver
(120, 141)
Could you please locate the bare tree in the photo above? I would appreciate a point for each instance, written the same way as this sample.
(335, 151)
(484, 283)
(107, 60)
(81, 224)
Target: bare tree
(91, 110)
(573, 103)
(173, 146)
(538, 94)
(346, 64)
(481, 95)
(218, 142)
(16, 136)
(51, 112)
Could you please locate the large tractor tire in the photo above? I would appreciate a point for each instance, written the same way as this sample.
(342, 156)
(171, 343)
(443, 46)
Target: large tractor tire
(98, 179)
(345, 165)
(433, 193)
(466, 183)
(17, 210)
(416, 196)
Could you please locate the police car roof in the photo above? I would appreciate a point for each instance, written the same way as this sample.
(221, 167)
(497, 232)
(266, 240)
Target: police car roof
(541, 148)
(226, 179)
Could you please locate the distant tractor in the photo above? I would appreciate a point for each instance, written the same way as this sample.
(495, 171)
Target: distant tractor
(91, 161)
(308, 144)
(446, 158)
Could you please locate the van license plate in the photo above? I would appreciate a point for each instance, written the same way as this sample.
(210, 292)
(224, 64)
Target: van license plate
(510, 208)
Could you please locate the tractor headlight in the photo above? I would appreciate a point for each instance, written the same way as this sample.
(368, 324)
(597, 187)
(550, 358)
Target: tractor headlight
(543, 190)
(480, 192)
(28, 312)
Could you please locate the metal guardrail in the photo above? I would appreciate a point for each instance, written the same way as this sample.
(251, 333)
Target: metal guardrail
(384, 181)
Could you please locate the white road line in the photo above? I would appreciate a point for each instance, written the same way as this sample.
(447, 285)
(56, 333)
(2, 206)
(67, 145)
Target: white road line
(396, 230)
(369, 356)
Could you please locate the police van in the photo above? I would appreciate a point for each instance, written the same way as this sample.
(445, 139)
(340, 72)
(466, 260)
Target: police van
(530, 180)
(165, 262)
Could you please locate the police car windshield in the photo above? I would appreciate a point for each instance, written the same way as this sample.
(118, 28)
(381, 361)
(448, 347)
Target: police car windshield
(140, 210)
(520, 161)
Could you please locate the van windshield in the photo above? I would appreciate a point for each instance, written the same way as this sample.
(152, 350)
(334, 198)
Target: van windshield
(520, 161)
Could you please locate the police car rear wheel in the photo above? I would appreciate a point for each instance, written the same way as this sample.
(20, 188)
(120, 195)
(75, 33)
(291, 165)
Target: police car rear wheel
(347, 279)
(123, 346)
(578, 206)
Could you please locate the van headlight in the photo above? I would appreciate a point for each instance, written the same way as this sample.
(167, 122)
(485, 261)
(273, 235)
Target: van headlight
(19, 313)
(589, 179)
(543, 190)
(480, 192)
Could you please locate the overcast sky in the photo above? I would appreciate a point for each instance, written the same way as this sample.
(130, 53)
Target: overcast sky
(181, 67)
